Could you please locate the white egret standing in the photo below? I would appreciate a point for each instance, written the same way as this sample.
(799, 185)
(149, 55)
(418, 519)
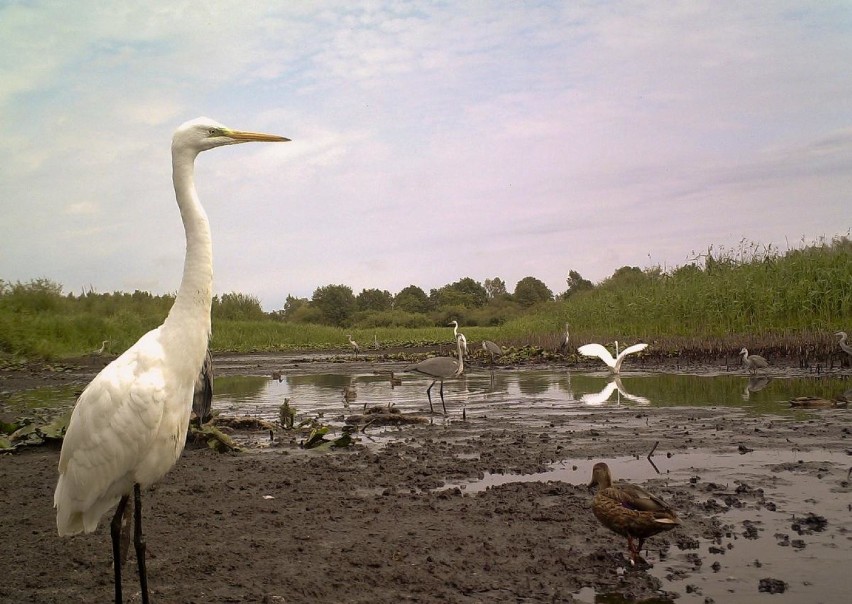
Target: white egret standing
(457, 333)
(614, 364)
(355, 348)
(129, 425)
(753, 361)
(440, 368)
(843, 345)
(102, 348)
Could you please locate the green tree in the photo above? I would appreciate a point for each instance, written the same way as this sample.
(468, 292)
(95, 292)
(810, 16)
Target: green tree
(335, 302)
(292, 305)
(374, 299)
(530, 291)
(237, 307)
(495, 288)
(576, 284)
(465, 292)
(411, 299)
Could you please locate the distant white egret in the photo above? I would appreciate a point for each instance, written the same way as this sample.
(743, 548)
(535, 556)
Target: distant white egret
(614, 364)
(129, 425)
(440, 369)
(843, 345)
(457, 333)
(355, 348)
(103, 347)
(753, 361)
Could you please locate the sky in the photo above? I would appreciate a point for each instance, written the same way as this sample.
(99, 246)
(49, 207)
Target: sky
(431, 141)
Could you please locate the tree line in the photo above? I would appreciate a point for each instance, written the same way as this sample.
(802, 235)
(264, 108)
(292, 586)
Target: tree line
(466, 300)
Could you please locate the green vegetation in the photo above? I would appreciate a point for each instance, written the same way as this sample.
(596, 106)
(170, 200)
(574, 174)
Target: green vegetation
(722, 300)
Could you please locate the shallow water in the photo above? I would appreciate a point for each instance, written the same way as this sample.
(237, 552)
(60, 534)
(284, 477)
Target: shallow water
(533, 394)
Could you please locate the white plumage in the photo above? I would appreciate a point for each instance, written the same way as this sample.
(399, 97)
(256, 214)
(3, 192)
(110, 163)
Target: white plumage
(129, 425)
(614, 364)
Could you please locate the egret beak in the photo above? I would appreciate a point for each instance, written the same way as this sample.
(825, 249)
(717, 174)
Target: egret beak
(244, 137)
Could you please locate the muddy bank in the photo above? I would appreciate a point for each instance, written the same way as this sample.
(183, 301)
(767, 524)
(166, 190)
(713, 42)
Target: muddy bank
(412, 521)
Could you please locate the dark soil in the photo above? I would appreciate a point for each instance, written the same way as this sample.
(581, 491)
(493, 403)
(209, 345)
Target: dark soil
(381, 524)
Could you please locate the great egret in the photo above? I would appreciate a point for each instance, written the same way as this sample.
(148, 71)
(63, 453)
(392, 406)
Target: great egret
(129, 425)
(355, 348)
(440, 369)
(457, 333)
(103, 347)
(629, 510)
(753, 361)
(491, 348)
(202, 398)
(843, 345)
(614, 364)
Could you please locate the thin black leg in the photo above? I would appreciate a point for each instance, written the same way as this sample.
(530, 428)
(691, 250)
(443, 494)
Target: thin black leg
(442, 398)
(139, 543)
(429, 394)
(115, 531)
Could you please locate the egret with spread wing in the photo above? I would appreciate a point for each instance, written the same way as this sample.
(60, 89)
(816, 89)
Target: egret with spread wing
(614, 364)
(129, 425)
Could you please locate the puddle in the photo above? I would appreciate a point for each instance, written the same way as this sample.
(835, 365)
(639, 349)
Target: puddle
(730, 570)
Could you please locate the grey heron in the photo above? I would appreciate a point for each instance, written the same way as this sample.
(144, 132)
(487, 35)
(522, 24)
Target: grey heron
(440, 369)
(355, 348)
(753, 361)
(843, 345)
(492, 349)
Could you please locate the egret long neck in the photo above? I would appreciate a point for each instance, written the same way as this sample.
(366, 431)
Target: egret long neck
(190, 314)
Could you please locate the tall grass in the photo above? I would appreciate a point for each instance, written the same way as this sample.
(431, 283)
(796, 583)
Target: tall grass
(751, 296)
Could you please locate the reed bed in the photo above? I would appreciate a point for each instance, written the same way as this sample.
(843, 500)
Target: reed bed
(786, 304)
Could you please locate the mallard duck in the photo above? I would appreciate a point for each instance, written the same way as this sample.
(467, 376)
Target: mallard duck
(629, 510)
(814, 402)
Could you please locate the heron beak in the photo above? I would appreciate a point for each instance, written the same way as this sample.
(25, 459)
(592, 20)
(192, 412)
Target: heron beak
(244, 137)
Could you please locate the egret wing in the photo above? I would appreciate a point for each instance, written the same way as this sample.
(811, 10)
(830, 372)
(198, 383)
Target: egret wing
(596, 350)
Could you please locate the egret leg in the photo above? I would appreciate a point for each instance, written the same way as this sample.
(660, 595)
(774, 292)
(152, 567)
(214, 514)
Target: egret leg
(115, 531)
(138, 543)
(442, 398)
(429, 394)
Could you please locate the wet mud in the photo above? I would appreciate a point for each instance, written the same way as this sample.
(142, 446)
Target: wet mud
(462, 510)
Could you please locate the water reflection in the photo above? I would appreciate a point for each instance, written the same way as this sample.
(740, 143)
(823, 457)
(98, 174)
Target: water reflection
(614, 385)
(532, 394)
(516, 393)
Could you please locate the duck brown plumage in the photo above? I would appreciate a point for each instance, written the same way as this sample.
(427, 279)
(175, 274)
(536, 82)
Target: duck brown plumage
(629, 510)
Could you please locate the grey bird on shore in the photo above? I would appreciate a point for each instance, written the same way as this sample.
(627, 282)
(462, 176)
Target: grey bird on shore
(440, 369)
(843, 345)
(492, 349)
(753, 361)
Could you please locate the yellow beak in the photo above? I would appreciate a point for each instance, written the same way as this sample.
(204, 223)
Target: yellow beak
(255, 136)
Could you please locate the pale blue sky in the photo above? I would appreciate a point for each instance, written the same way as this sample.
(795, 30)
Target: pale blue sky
(431, 140)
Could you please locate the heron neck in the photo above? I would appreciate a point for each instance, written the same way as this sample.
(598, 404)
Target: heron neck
(191, 309)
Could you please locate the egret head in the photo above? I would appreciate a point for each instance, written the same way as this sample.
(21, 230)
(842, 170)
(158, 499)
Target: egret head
(203, 133)
(744, 351)
(453, 323)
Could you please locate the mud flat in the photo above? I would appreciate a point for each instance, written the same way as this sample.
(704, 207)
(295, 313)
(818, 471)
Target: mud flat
(467, 510)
